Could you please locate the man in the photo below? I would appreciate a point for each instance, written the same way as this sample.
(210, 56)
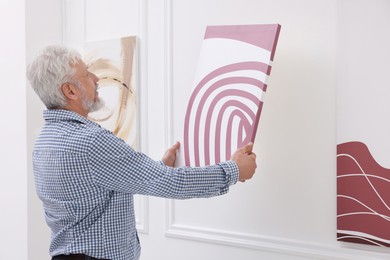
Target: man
(86, 177)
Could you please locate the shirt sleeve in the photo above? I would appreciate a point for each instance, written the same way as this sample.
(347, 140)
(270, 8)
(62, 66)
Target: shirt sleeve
(116, 166)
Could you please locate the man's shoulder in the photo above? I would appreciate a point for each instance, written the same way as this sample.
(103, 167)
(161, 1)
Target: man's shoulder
(66, 130)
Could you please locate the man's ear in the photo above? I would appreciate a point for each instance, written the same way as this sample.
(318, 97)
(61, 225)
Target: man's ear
(69, 91)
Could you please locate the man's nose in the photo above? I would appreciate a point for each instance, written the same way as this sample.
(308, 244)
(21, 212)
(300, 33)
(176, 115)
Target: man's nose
(95, 78)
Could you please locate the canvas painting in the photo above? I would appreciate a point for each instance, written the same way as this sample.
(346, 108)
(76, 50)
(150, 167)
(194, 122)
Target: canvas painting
(224, 108)
(363, 196)
(363, 149)
(114, 63)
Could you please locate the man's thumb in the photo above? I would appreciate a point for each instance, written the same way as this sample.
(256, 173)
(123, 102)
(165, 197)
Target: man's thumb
(248, 148)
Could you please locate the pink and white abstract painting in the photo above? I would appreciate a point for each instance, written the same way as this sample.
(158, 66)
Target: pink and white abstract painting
(363, 196)
(224, 109)
(363, 127)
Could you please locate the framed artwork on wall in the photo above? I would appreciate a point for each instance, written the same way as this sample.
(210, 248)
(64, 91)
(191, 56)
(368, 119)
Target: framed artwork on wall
(363, 140)
(114, 63)
(363, 196)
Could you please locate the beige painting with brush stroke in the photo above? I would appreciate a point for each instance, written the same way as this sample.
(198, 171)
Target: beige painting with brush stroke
(113, 61)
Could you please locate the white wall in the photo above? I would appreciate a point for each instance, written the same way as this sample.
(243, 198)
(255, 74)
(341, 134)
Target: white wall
(13, 184)
(364, 63)
(43, 27)
(288, 210)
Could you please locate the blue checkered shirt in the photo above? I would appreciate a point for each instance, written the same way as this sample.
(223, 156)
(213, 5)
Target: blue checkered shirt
(86, 178)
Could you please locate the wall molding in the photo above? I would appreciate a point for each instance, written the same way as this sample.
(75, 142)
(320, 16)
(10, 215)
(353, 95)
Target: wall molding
(168, 72)
(73, 23)
(142, 220)
(337, 251)
(142, 62)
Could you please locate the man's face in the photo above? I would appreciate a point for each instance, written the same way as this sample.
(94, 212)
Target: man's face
(87, 84)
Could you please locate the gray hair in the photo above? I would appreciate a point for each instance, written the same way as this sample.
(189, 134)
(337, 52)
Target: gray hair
(49, 71)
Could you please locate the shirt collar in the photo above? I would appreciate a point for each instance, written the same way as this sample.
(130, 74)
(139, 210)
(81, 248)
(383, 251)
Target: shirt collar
(52, 115)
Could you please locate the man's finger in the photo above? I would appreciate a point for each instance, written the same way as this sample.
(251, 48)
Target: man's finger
(248, 148)
(176, 146)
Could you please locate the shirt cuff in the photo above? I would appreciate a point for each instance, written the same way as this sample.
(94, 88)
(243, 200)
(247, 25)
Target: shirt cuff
(231, 170)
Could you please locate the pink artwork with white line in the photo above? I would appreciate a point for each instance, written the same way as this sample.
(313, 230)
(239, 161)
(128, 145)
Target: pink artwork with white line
(224, 109)
(363, 196)
(363, 127)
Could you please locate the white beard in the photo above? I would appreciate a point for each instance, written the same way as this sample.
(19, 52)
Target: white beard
(92, 106)
(97, 105)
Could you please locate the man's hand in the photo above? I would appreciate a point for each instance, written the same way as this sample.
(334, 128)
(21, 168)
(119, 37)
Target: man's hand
(246, 161)
(169, 157)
